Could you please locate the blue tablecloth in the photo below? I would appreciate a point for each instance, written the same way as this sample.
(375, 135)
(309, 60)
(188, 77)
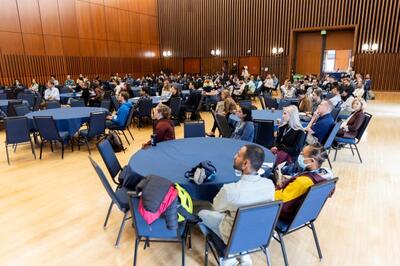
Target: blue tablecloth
(64, 97)
(4, 105)
(67, 119)
(156, 99)
(171, 159)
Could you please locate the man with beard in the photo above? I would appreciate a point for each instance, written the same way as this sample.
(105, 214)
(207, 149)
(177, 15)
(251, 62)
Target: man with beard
(250, 189)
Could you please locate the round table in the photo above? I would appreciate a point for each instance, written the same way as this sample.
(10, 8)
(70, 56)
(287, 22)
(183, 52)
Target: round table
(260, 115)
(64, 97)
(67, 119)
(156, 99)
(4, 104)
(171, 159)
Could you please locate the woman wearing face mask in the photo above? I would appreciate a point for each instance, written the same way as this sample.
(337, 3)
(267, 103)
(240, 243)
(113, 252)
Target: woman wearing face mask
(350, 127)
(164, 129)
(292, 190)
(287, 145)
(244, 129)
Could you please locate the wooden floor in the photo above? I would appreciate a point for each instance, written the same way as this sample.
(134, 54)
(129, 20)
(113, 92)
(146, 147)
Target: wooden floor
(52, 211)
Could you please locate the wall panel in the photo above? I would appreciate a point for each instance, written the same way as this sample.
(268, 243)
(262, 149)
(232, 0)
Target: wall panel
(192, 28)
(93, 37)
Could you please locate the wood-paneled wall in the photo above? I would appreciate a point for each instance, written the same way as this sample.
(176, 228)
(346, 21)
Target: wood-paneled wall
(193, 28)
(96, 37)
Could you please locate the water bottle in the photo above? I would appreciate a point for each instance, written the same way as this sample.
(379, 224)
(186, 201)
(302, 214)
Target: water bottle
(153, 140)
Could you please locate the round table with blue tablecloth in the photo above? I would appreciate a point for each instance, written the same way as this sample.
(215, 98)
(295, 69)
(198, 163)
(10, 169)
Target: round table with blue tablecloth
(171, 159)
(64, 97)
(260, 115)
(156, 99)
(67, 119)
(4, 104)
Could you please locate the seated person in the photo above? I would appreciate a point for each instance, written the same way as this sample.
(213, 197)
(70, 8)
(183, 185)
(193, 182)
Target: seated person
(321, 123)
(350, 127)
(244, 129)
(166, 89)
(250, 189)
(69, 82)
(252, 86)
(119, 119)
(288, 90)
(304, 102)
(347, 99)
(164, 128)
(239, 91)
(97, 98)
(286, 146)
(291, 191)
(191, 102)
(144, 96)
(224, 107)
(174, 94)
(336, 99)
(51, 93)
(315, 99)
(34, 88)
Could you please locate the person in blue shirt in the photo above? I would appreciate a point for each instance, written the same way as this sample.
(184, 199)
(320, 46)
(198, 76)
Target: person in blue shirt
(244, 129)
(321, 123)
(119, 119)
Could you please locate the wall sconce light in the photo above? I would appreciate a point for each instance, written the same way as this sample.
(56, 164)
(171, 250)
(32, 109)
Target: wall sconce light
(277, 51)
(149, 54)
(366, 48)
(248, 52)
(216, 52)
(167, 53)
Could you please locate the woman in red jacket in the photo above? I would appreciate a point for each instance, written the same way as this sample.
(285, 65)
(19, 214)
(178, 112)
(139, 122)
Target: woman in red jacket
(351, 126)
(164, 129)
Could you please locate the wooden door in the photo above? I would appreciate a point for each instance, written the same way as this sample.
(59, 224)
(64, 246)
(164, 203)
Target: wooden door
(308, 53)
(252, 62)
(191, 65)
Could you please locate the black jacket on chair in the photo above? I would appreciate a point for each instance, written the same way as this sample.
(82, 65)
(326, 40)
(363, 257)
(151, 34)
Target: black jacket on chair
(288, 140)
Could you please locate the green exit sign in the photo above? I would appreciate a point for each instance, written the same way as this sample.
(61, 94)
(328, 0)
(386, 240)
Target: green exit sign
(323, 32)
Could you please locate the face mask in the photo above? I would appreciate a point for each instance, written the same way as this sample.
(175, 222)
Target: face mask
(300, 161)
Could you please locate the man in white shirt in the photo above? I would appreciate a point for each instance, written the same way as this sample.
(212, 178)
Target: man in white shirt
(51, 93)
(250, 189)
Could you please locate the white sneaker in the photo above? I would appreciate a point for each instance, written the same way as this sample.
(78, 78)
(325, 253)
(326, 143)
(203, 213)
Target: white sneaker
(229, 262)
(245, 260)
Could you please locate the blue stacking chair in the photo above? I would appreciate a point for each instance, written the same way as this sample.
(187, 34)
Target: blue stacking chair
(3, 96)
(284, 103)
(245, 103)
(175, 105)
(329, 140)
(53, 105)
(306, 215)
(118, 197)
(21, 109)
(124, 127)
(77, 103)
(29, 97)
(194, 129)
(11, 107)
(252, 230)
(115, 102)
(97, 127)
(17, 131)
(110, 160)
(156, 232)
(270, 102)
(335, 113)
(106, 104)
(145, 107)
(38, 101)
(264, 133)
(260, 97)
(49, 132)
(354, 141)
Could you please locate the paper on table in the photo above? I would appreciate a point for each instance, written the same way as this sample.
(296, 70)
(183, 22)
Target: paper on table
(264, 165)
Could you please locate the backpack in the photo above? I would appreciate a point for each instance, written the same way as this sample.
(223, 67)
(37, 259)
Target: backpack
(185, 206)
(202, 172)
(115, 142)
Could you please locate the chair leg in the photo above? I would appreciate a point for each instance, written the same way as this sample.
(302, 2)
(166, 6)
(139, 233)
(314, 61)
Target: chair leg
(33, 149)
(316, 240)
(206, 254)
(336, 150)
(41, 149)
(62, 149)
(51, 146)
(183, 251)
(266, 252)
(8, 156)
(283, 249)
(121, 228)
(123, 132)
(87, 145)
(351, 148)
(15, 147)
(329, 161)
(358, 153)
(130, 133)
(108, 215)
(137, 241)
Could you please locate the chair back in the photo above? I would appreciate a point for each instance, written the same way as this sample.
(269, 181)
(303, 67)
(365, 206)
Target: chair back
(106, 104)
(175, 105)
(29, 97)
(109, 158)
(245, 103)
(21, 109)
(53, 105)
(261, 102)
(64, 89)
(47, 127)
(107, 95)
(158, 229)
(223, 125)
(77, 103)
(115, 102)
(199, 104)
(284, 103)
(253, 227)
(335, 113)
(264, 132)
(17, 130)
(97, 124)
(145, 107)
(11, 107)
(331, 137)
(270, 102)
(364, 126)
(3, 96)
(129, 119)
(194, 129)
(313, 202)
(106, 184)
(38, 101)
